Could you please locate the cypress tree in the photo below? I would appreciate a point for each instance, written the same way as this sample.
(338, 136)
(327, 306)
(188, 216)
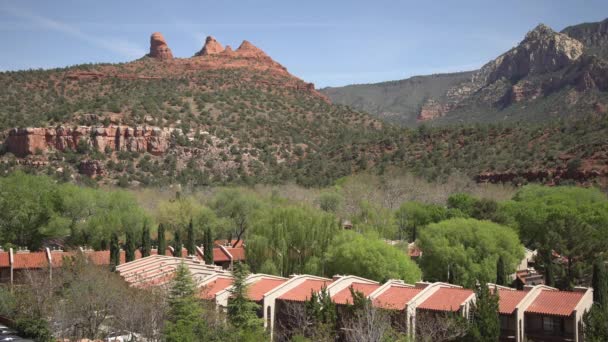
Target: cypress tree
(599, 283)
(103, 245)
(177, 244)
(129, 247)
(548, 260)
(114, 252)
(208, 246)
(501, 278)
(145, 241)
(162, 244)
(190, 239)
(485, 325)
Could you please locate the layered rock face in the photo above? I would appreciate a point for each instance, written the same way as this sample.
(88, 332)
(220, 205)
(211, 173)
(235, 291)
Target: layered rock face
(543, 50)
(211, 47)
(593, 35)
(159, 48)
(25, 141)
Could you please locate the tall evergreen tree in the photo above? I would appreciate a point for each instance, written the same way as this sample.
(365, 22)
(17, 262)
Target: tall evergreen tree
(129, 247)
(177, 244)
(547, 257)
(162, 243)
(208, 246)
(501, 276)
(185, 317)
(146, 246)
(114, 251)
(485, 325)
(599, 283)
(241, 310)
(321, 312)
(190, 243)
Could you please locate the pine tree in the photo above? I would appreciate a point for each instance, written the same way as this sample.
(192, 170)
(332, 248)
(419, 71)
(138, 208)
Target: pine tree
(114, 252)
(242, 311)
(162, 244)
(485, 325)
(595, 324)
(129, 247)
(599, 283)
(145, 241)
(321, 311)
(208, 247)
(500, 272)
(185, 317)
(190, 244)
(177, 244)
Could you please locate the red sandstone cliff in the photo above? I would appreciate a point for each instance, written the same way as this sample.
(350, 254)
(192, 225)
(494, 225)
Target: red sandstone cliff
(25, 141)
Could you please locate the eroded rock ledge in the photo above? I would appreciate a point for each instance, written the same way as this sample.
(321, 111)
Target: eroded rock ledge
(24, 141)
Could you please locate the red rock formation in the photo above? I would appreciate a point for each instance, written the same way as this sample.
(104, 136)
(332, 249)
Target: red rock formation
(22, 142)
(159, 48)
(246, 49)
(211, 47)
(431, 110)
(228, 51)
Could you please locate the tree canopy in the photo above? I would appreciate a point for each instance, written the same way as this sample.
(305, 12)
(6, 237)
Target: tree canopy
(369, 257)
(467, 250)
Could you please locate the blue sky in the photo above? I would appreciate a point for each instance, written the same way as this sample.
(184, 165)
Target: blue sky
(326, 42)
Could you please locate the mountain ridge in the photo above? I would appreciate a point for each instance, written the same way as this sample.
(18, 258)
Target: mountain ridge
(511, 87)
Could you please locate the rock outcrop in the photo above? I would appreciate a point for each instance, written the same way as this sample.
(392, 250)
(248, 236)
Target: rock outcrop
(91, 168)
(159, 48)
(25, 141)
(211, 47)
(542, 50)
(593, 35)
(246, 49)
(431, 109)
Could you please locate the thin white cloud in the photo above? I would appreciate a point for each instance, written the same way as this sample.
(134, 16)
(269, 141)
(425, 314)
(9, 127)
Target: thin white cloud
(119, 46)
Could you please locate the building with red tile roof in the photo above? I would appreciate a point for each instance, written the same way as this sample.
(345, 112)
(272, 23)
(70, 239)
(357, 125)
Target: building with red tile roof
(345, 296)
(258, 289)
(448, 299)
(215, 284)
(396, 297)
(542, 313)
(303, 291)
(555, 303)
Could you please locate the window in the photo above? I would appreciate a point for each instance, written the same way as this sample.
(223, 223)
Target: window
(550, 324)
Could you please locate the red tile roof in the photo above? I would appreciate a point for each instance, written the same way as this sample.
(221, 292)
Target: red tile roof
(344, 296)
(302, 292)
(225, 243)
(30, 260)
(259, 288)
(219, 255)
(209, 290)
(4, 262)
(508, 300)
(446, 299)
(396, 297)
(555, 303)
(238, 254)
